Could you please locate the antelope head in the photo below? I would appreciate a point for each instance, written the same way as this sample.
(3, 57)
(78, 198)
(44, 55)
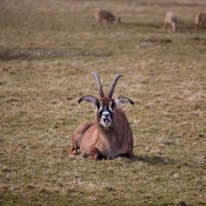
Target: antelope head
(105, 104)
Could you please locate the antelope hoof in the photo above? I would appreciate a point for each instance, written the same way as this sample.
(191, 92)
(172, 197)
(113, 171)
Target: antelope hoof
(93, 157)
(73, 151)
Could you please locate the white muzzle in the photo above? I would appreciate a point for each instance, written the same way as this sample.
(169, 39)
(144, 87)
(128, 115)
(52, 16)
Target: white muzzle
(106, 119)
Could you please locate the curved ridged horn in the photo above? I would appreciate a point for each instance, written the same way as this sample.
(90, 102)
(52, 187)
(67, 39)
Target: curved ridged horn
(113, 86)
(101, 93)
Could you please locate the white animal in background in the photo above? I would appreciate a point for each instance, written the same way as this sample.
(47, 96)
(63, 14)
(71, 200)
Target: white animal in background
(171, 20)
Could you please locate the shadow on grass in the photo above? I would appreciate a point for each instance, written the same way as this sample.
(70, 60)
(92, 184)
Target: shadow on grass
(32, 54)
(152, 160)
(143, 24)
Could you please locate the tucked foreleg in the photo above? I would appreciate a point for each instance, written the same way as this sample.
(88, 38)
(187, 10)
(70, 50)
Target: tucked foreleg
(94, 154)
(78, 135)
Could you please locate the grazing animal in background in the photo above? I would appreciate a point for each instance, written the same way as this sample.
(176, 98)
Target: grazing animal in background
(110, 136)
(200, 18)
(107, 16)
(171, 19)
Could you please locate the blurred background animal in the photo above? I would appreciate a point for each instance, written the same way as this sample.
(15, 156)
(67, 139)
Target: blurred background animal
(171, 20)
(200, 18)
(107, 16)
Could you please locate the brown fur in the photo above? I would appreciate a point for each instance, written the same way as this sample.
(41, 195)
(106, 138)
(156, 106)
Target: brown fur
(200, 18)
(97, 142)
(107, 16)
(77, 136)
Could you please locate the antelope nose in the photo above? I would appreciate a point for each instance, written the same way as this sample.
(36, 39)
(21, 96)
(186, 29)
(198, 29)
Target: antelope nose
(106, 114)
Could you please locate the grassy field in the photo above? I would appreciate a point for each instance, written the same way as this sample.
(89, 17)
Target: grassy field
(48, 50)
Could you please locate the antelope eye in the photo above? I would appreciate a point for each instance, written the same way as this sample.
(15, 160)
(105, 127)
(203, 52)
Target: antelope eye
(99, 106)
(111, 106)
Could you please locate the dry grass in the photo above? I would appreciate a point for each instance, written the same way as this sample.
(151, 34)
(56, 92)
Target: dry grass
(164, 74)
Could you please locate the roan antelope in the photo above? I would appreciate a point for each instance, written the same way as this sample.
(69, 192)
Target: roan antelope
(200, 18)
(107, 16)
(110, 136)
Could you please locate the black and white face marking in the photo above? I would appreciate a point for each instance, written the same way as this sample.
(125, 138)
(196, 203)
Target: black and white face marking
(105, 113)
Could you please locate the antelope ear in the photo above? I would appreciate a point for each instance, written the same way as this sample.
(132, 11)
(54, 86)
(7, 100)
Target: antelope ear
(90, 99)
(121, 100)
